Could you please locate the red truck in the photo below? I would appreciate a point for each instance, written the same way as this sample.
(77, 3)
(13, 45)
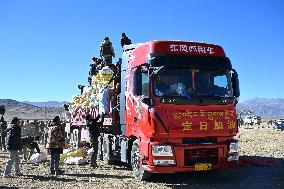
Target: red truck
(176, 110)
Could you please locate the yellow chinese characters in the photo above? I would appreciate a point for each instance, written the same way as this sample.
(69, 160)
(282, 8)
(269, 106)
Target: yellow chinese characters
(218, 125)
(203, 126)
(187, 126)
(232, 125)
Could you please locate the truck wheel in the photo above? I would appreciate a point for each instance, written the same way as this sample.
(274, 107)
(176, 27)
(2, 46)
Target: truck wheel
(136, 163)
(107, 150)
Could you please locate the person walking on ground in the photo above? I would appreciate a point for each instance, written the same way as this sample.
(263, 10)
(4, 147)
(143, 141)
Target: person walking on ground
(3, 134)
(55, 144)
(106, 51)
(94, 131)
(14, 144)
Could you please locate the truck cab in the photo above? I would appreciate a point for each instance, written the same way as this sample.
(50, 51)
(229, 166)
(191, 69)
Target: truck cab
(178, 107)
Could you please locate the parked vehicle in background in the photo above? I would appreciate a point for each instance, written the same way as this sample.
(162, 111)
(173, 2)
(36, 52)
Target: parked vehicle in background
(280, 121)
(256, 120)
(279, 124)
(248, 120)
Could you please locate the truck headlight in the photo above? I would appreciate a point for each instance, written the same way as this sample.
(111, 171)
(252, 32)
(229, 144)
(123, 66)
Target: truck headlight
(162, 150)
(234, 146)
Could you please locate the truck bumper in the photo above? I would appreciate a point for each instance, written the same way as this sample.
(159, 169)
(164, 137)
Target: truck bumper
(187, 158)
(175, 169)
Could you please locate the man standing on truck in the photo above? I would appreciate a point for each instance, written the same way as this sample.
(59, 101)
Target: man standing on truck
(124, 40)
(106, 51)
(94, 132)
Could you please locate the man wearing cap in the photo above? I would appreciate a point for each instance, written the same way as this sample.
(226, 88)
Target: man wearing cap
(14, 144)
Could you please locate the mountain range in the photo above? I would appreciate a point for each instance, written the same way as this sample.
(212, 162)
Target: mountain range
(28, 111)
(264, 107)
(54, 104)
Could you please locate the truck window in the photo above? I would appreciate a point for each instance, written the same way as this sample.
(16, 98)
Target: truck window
(220, 81)
(145, 84)
(140, 82)
(192, 82)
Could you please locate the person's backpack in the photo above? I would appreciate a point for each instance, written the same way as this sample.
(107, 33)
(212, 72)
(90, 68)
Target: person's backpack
(107, 49)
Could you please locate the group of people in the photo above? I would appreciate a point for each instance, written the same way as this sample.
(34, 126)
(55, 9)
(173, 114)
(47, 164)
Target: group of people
(106, 55)
(12, 141)
(105, 60)
(14, 144)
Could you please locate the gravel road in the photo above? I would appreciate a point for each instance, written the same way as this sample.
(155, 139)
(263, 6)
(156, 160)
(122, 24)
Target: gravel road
(255, 144)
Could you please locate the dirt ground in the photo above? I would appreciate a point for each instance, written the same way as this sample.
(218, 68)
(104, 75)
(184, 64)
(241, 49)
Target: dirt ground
(255, 144)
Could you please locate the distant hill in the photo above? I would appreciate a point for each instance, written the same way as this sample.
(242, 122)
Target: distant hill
(28, 111)
(54, 104)
(264, 107)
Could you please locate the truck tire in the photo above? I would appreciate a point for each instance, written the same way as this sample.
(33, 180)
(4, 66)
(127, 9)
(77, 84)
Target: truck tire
(107, 150)
(136, 163)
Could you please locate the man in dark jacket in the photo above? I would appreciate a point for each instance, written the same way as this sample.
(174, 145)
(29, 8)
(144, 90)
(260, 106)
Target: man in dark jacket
(3, 133)
(94, 132)
(14, 144)
(106, 51)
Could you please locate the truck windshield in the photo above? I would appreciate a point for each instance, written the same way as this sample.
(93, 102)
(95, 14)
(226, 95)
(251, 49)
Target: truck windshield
(192, 83)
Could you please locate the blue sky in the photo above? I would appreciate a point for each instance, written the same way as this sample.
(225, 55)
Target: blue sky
(46, 46)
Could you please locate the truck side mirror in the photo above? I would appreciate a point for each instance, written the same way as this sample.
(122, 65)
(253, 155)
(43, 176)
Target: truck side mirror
(148, 101)
(137, 82)
(235, 83)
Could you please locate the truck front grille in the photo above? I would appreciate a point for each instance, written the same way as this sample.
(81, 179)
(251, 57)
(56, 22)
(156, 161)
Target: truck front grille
(198, 140)
(200, 155)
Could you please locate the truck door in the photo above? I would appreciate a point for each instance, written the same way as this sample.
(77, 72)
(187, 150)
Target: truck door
(138, 112)
(131, 103)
